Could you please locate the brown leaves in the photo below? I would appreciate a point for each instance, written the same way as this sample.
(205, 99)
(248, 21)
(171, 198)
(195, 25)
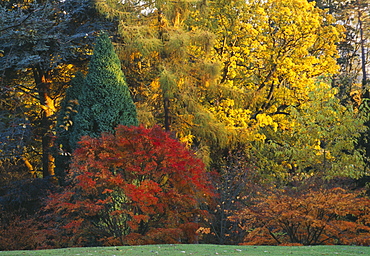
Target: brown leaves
(321, 216)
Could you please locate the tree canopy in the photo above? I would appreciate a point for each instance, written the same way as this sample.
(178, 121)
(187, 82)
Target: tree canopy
(256, 99)
(136, 186)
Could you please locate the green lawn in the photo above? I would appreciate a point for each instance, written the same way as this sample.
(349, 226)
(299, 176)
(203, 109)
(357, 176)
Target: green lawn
(191, 249)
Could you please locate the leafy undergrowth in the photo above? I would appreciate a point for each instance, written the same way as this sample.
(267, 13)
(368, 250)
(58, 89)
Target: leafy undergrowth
(196, 249)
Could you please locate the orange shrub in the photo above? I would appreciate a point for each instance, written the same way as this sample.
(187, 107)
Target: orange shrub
(310, 217)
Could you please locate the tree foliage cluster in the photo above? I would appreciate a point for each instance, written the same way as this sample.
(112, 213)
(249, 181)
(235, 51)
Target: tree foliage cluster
(306, 215)
(158, 121)
(136, 186)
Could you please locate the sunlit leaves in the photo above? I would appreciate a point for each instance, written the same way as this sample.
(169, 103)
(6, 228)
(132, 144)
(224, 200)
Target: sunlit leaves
(272, 51)
(318, 137)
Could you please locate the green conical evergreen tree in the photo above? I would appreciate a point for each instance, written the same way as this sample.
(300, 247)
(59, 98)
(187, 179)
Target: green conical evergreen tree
(94, 104)
(105, 100)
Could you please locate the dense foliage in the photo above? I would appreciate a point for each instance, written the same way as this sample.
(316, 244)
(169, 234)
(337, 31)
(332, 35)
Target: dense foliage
(183, 101)
(94, 104)
(136, 186)
(41, 45)
(103, 98)
(307, 216)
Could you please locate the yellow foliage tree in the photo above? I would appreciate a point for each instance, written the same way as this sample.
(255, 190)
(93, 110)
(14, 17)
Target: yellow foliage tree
(168, 68)
(231, 73)
(318, 137)
(271, 53)
(273, 57)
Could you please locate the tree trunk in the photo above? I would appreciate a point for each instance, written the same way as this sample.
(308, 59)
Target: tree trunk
(166, 100)
(166, 106)
(363, 52)
(48, 110)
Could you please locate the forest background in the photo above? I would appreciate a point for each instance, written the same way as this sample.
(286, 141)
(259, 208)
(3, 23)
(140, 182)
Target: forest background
(243, 122)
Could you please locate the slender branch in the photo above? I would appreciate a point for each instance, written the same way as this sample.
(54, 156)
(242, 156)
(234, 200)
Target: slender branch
(24, 20)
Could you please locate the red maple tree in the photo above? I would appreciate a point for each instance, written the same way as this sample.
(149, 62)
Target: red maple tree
(137, 186)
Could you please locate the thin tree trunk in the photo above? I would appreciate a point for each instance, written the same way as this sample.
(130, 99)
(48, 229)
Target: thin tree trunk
(48, 110)
(362, 44)
(167, 122)
(166, 100)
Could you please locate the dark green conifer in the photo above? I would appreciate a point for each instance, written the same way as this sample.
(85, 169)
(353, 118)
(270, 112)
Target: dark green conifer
(105, 100)
(94, 104)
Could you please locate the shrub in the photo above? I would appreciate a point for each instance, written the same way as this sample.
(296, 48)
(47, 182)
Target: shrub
(308, 217)
(135, 183)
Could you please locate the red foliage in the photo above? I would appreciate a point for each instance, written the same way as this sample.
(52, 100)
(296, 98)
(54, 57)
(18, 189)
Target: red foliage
(136, 183)
(291, 216)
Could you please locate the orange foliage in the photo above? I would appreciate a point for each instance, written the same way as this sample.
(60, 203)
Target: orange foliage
(138, 186)
(309, 217)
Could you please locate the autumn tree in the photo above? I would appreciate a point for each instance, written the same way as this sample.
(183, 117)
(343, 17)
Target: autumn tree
(291, 65)
(308, 216)
(276, 58)
(272, 62)
(135, 186)
(168, 67)
(317, 138)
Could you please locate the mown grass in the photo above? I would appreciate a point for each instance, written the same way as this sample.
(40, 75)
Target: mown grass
(193, 249)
